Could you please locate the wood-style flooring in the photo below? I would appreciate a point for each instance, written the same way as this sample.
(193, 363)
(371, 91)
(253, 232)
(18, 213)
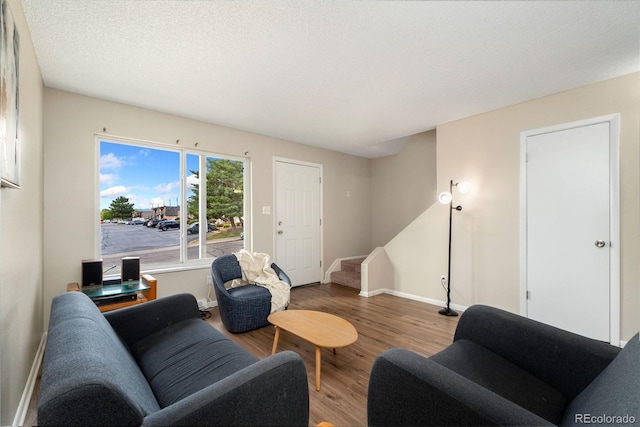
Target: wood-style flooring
(382, 322)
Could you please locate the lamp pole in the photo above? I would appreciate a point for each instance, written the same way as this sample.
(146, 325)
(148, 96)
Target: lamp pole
(447, 311)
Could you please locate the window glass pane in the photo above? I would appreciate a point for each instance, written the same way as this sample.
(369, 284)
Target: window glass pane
(223, 206)
(225, 203)
(139, 205)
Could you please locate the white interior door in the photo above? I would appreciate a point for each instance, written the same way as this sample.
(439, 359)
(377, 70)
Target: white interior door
(298, 221)
(568, 230)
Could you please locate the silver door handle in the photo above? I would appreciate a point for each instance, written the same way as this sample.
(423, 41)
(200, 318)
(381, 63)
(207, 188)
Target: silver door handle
(600, 243)
(280, 231)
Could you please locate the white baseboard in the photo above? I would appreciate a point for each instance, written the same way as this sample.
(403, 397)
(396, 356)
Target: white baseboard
(23, 406)
(412, 297)
(206, 303)
(368, 294)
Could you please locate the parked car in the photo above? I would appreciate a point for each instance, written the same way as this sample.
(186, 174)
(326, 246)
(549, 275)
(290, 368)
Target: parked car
(165, 225)
(195, 228)
(138, 221)
(154, 222)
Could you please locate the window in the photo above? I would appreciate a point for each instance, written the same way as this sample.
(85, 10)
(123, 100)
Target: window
(169, 207)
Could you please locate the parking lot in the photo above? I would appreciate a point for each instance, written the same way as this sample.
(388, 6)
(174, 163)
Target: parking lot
(154, 246)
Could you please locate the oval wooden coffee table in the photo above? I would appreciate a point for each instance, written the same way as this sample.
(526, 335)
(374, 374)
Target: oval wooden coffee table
(320, 329)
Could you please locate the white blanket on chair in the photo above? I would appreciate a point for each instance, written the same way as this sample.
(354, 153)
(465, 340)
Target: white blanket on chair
(256, 268)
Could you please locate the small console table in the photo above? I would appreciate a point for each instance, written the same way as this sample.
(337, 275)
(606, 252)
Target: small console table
(139, 291)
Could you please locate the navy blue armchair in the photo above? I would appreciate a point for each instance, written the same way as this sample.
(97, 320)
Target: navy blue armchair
(243, 308)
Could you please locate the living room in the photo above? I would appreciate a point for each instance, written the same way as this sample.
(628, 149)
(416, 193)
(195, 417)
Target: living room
(48, 225)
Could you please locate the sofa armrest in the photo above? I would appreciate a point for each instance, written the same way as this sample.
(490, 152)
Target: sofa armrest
(271, 392)
(139, 321)
(564, 360)
(408, 389)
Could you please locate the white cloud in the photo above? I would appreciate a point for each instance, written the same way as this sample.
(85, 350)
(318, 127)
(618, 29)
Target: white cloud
(191, 180)
(110, 161)
(158, 201)
(140, 202)
(118, 190)
(108, 178)
(167, 188)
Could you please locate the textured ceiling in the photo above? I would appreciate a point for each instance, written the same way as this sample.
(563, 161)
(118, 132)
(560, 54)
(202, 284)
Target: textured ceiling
(351, 76)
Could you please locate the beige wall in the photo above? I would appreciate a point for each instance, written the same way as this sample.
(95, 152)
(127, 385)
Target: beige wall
(403, 186)
(70, 184)
(418, 255)
(35, 224)
(485, 150)
(21, 245)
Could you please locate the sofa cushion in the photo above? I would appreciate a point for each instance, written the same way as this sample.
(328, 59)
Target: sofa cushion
(500, 376)
(250, 291)
(614, 393)
(566, 361)
(187, 357)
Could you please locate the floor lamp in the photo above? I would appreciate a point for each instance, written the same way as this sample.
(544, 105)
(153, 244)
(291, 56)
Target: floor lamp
(446, 198)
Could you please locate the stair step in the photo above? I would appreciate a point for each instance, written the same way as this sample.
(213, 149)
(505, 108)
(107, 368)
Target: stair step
(346, 278)
(351, 265)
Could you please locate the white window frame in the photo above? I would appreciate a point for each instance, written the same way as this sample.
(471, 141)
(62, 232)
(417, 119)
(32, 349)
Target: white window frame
(184, 263)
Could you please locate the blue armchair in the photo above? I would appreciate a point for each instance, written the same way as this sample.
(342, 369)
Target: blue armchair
(243, 308)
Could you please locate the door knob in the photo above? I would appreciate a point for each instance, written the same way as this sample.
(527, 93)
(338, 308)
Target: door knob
(600, 243)
(280, 231)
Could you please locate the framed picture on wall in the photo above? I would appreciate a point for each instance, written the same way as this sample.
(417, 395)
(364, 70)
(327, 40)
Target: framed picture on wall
(9, 97)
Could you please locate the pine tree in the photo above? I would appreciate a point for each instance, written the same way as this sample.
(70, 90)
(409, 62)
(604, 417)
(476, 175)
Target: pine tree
(120, 208)
(225, 197)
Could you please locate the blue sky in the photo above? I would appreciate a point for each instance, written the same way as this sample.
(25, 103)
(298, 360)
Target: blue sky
(146, 176)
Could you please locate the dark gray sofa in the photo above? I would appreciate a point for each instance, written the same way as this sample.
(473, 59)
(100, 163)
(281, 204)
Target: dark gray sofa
(504, 369)
(158, 363)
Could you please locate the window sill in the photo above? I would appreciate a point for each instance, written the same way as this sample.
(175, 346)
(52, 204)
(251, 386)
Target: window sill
(205, 264)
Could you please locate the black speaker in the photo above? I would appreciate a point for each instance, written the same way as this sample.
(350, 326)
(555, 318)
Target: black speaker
(130, 268)
(91, 272)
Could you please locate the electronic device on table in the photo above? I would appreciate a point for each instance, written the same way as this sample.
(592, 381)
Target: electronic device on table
(110, 291)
